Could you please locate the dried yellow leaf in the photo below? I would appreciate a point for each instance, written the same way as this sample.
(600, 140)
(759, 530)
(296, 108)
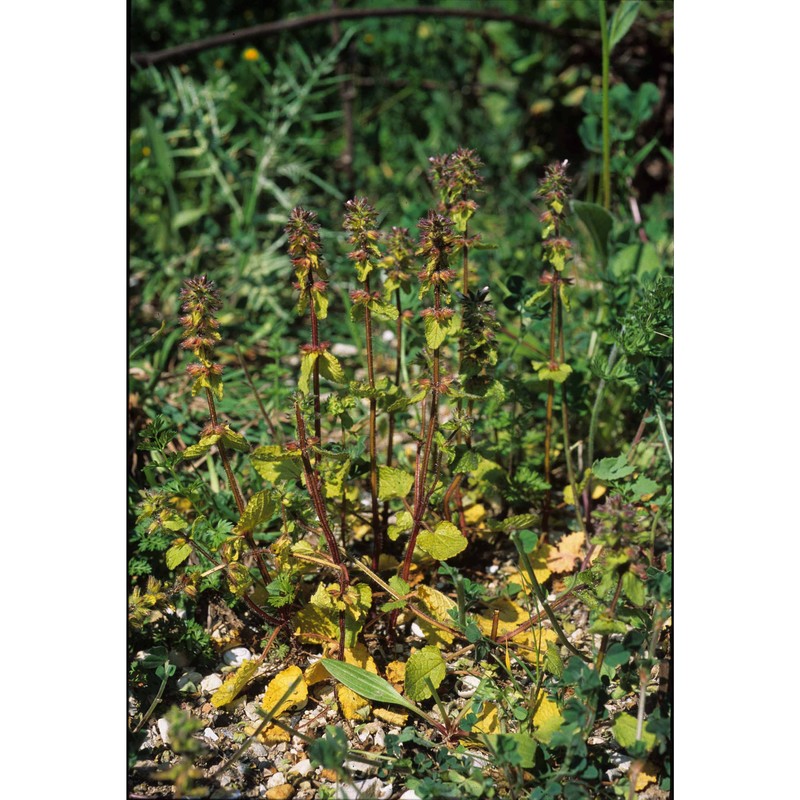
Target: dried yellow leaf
(353, 706)
(396, 673)
(565, 556)
(437, 605)
(279, 685)
(234, 684)
(358, 656)
(475, 514)
(532, 644)
(511, 616)
(488, 720)
(392, 717)
(648, 774)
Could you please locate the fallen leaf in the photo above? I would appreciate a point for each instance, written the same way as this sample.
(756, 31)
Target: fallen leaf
(396, 674)
(488, 720)
(353, 706)
(648, 774)
(563, 558)
(392, 717)
(234, 684)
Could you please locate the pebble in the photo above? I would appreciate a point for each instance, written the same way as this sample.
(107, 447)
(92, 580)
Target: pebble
(468, 686)
(341, 350)
(251, 713)
(409, 794)
(283, 792)
(163, 730)
(210, 735)
(417, 631)
(236, 656)
(369, 788)
(361, 768)
(301, 768)
(278, 779)
(211, 683)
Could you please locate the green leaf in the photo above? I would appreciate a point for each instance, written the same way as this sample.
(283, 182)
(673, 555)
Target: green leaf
(320, 303)
(624, 730)
(425, 663)
(403, 523)
(521, 745)
(178, 553)
(202, 447)
(621, 22)
(187, 216)
(274, 464)
(330, 368)
(643, 487)
(612, 469)
(260, 507)
(633, 587)
(307, 362)
(235, 441)
(641, 259)
(545, 372)
(366, 684)
(444, 542)
(598, 221)
(393, 483)
(436, 331)
(383, 311)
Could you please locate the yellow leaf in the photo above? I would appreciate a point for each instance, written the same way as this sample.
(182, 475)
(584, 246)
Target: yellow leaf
(563, 558)
(316, 625)
(234, 684)
(358, 656)
(396, 673)
(647, 775)
(438, 606)
(511, 616)
(488, 720)
(547, 719)
(532, 644)
(353, 705)
(474, 514)
(392, 717)
(279, 685)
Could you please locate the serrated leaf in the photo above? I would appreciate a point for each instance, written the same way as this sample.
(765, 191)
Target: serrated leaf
(383, 311)
(234, 684)
(633, 586)
(612, 469)
(274, 464)
(403, 523)
(260, 507)
(364, 683)
(624, 730)
(177, 554)
(320, 303)
(235, 441)
(425, 663)
(445, 541)
(546, 372)
(202, 447)
(307, 361)
(393, 483)
(436, 331)
(330, 368)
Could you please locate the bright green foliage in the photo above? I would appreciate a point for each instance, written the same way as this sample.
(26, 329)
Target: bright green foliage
(443, 542)
(425, 663)
(394, 483)
(260, 507)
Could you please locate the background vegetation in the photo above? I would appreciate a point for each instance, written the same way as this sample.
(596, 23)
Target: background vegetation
(224, 143)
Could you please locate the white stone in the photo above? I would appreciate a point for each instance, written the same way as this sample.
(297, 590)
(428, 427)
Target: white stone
(468, 686)
(362, 768)
(163, 730)
(211, 683)
(417, 631)
(236, 656)
(210, 735)
(301, 768)
(379, 740)
(277, 779)
(409, 794)
(369, 788)
(342, 350)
